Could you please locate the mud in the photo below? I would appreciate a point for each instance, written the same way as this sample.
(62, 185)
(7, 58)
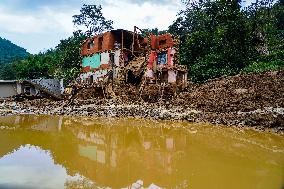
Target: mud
(254, 100)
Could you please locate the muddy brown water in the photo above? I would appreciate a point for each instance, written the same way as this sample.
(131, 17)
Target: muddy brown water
(53, 152)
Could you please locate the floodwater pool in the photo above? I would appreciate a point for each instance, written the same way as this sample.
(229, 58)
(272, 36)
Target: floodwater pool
(52, 152)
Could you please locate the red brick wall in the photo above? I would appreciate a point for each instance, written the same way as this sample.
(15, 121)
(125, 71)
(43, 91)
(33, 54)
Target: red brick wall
(95, 49)
(84, 49)
(166, 37)
(154, 42)
(108, 44)
(108, 41)
(157, 41)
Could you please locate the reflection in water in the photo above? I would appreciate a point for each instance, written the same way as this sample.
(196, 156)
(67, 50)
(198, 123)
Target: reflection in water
(77, 152)
(19, 168)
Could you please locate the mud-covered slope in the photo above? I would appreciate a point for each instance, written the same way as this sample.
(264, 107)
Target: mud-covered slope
(238, 93)
(252, 100)
(255, 100)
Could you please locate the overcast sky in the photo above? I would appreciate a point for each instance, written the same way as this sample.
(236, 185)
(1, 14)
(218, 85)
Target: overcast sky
(38, 25)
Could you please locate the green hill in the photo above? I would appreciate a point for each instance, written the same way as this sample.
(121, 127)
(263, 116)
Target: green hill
(10, 52)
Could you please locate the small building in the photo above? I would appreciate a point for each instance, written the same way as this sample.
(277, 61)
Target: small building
(31, 88)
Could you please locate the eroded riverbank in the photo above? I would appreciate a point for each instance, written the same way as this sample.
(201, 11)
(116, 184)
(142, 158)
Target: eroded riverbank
(266, 119)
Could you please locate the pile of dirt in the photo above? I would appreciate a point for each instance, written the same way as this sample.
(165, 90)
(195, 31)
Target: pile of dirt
(89, 93)
(252, 100)
(126, 92)
(242, 93)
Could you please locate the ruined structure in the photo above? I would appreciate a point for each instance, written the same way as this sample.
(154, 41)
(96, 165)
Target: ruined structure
(105, 56)
(36, 88)
(121, 56)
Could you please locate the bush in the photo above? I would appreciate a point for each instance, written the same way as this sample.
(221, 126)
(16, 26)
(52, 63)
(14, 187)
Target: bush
(257, 67)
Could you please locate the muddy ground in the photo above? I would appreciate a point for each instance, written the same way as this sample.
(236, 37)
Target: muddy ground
(254, 100)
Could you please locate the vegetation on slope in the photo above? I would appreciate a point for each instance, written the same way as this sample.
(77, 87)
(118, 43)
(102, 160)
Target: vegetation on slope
(9, 53)
(222, 38)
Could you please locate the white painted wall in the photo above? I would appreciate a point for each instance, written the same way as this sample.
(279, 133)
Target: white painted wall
(7, 89)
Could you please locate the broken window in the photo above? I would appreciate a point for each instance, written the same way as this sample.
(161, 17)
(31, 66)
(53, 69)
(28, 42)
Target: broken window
(164, 77)
(162, 58)
(90, 45)
(28, 90)
(162, 42)
(180, 78)
(111, 57)
(117, 45)
(100, 45)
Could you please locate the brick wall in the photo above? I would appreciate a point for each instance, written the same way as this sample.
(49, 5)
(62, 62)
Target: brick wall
(107, 43)
(108, 40)
(85, 51)
(161, 41)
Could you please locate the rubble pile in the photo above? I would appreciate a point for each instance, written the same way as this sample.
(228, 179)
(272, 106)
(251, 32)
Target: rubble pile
(89, 93)
(151, 93)
(238, 93)
(252, 99)
(126, 92)
(255, 100)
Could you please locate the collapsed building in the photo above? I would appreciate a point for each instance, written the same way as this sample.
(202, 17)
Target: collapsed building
(121, 56)
(31, 89)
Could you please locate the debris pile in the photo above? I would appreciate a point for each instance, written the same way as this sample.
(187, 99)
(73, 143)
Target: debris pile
(252, 99)
(241, 93)
(255, 100)
(90, 92)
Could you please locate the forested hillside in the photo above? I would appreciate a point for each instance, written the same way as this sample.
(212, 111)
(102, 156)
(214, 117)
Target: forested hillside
(10, 52)
(221, 38)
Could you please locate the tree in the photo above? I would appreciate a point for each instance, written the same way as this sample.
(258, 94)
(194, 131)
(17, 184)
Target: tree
(67, 53)
(8, 72)
(214, 38)
(10, 52)
(92, 20)
(154, 31)
(36, 66)
(63, 62)
(266, 20)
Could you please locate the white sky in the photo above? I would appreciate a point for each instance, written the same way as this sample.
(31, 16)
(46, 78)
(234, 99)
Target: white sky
(38, 25)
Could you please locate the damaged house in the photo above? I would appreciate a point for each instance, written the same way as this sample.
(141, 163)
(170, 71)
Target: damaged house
(36, 88)
(121, 56)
